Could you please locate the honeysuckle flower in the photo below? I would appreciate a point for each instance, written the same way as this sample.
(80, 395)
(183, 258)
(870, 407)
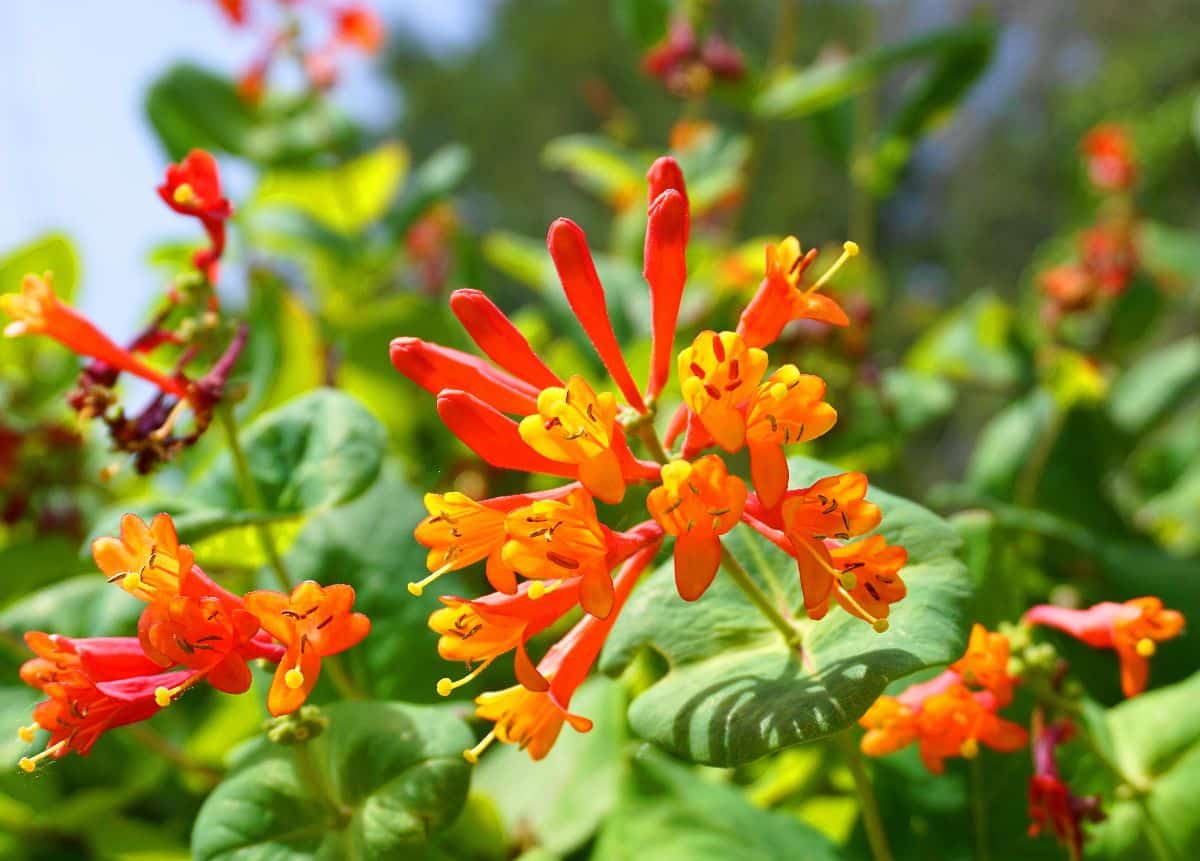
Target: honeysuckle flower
(38, 310)
(1132, 629)
(436, 368)
(986, 663)
(575, 425)
(74, 662)
(234, 10)
(1109, 156)
(1109, 254)
(869, 577)
(193, 187)
(558, 539)
(779, 299)
(481, 630)
(787, 408)
(533, 719)
(314, 622)
(1052, 804)
(717, 374)
(697, 503)
(147, 561)
(834, 507)
(665, 265)
(358, 26)
(956, 721)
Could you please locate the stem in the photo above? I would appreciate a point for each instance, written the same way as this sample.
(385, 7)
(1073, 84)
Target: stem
(649, 437)
(310, 775)
(978, 810)
(249, 490)
(1026, 487)
(759, 598)
(872, 821)
(168, 750)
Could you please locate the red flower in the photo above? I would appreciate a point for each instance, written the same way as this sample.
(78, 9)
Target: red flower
(1108, 154)
(193, 187)
(356, 25)
(780, 300)
(665, 269)
(1051, 802)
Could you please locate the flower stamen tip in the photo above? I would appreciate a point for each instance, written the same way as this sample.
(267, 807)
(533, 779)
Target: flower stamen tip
(536, 590)
(162, 696)
(415, 589)
(293, 678)
(1146, 647)
(851, 248)
(184, 194)
(25, 733)
(445, 687)
(970, 749)
(880, 625)
(27, 765)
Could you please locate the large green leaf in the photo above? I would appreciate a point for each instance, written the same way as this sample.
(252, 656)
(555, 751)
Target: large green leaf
(673, 813)
(1155, 741)
(389, 777)
(1156, 384)
(314, 452)
(735, 692)
(563, 799)
(84, 606)
(972, 344)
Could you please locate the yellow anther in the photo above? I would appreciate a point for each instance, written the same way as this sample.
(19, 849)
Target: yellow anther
(446, 686)
(848, 580)
(162, 696)
(536, 590)
(293, 678)
(472, 755)
(880, 625)
(26, 733)
(418, 588)
(184, 195)
(27, 765)
(849, 249)
(969, 749)
(132, 581)
(1146, 647)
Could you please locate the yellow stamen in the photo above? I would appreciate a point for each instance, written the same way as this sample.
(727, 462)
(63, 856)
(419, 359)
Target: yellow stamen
(880, 625)
(847, 580)
(537, 588)
(29, 764)
(417, 588)
(184, 195)
(164, 696)
(849, 249)
(446, 686)
(970, 749)
(1146, 647)
(293, 678)
(472, 755)
(26, 733)
(132, 581)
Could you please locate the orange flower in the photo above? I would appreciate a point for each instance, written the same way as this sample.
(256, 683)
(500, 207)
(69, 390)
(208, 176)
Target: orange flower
(787, 408)
(313, 623)
(37, 310)
(717, 374)
(575, 425)
(1108, 153)
(358, 26)
(459, 532)
(148, 562)
(955, 722)
(556, 540)
(1132, 629)
(869, 582)
(986, 663)
(891, 725)
(533, 719)
(482, 630)
(780, 300)
(697, 503)
(834, 507)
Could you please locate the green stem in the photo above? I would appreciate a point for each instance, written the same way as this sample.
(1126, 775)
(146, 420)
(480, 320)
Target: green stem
(168, 750)
(978, 810)
(759, 598)
(649, 436)
(249, 491)
(311, 776)
(1026, 487)
(869, 805)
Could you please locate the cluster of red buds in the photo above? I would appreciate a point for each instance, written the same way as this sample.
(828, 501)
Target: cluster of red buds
(192, 630)
(688, 67)
(955, 712)
(186, 327)
(548, 552)
(352, 26)
(1107, 251)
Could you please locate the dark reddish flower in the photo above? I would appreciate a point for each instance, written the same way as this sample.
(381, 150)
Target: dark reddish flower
(1051, 802)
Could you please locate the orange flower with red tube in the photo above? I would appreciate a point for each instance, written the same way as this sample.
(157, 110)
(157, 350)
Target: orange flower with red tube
(548, 552)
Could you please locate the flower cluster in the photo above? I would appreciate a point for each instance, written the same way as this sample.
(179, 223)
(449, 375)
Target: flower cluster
(549, 552)
(187, 328)
(1107, 256)
(191, 630)
(953, 713)
(352, 26)
(957, 710)
(687, 67)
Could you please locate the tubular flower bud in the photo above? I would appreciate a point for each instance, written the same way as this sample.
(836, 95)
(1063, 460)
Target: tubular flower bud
(1051, 802)
(555, 540)
(435, 368)
(533, 719)
(1109, 157)
(148, 562)
(697, 503)
(718, 373)
(665, 270)
(575, 425)
(358, 26)
(37, 310)
(499, 339)
(479, 631)
(493, 436)
(313, 622)
(787, 408)
(1132, 629)
(780, 300)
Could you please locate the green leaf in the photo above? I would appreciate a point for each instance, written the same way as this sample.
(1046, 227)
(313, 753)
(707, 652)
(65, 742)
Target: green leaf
(916, 400)
(1155, 385)
(674, 813)
(1155, 741)
(644, 21)
(345, 198)
(286, 355)
(1171, 253)
(84, 606)
(735, 692)
(389, 777)
(972, 343)
(432, 180)
(607, 170)
(563, 799)
(1007, 441)
(315, 452)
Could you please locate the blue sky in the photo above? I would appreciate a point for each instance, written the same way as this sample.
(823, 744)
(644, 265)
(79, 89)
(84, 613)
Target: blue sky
(75, 151)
